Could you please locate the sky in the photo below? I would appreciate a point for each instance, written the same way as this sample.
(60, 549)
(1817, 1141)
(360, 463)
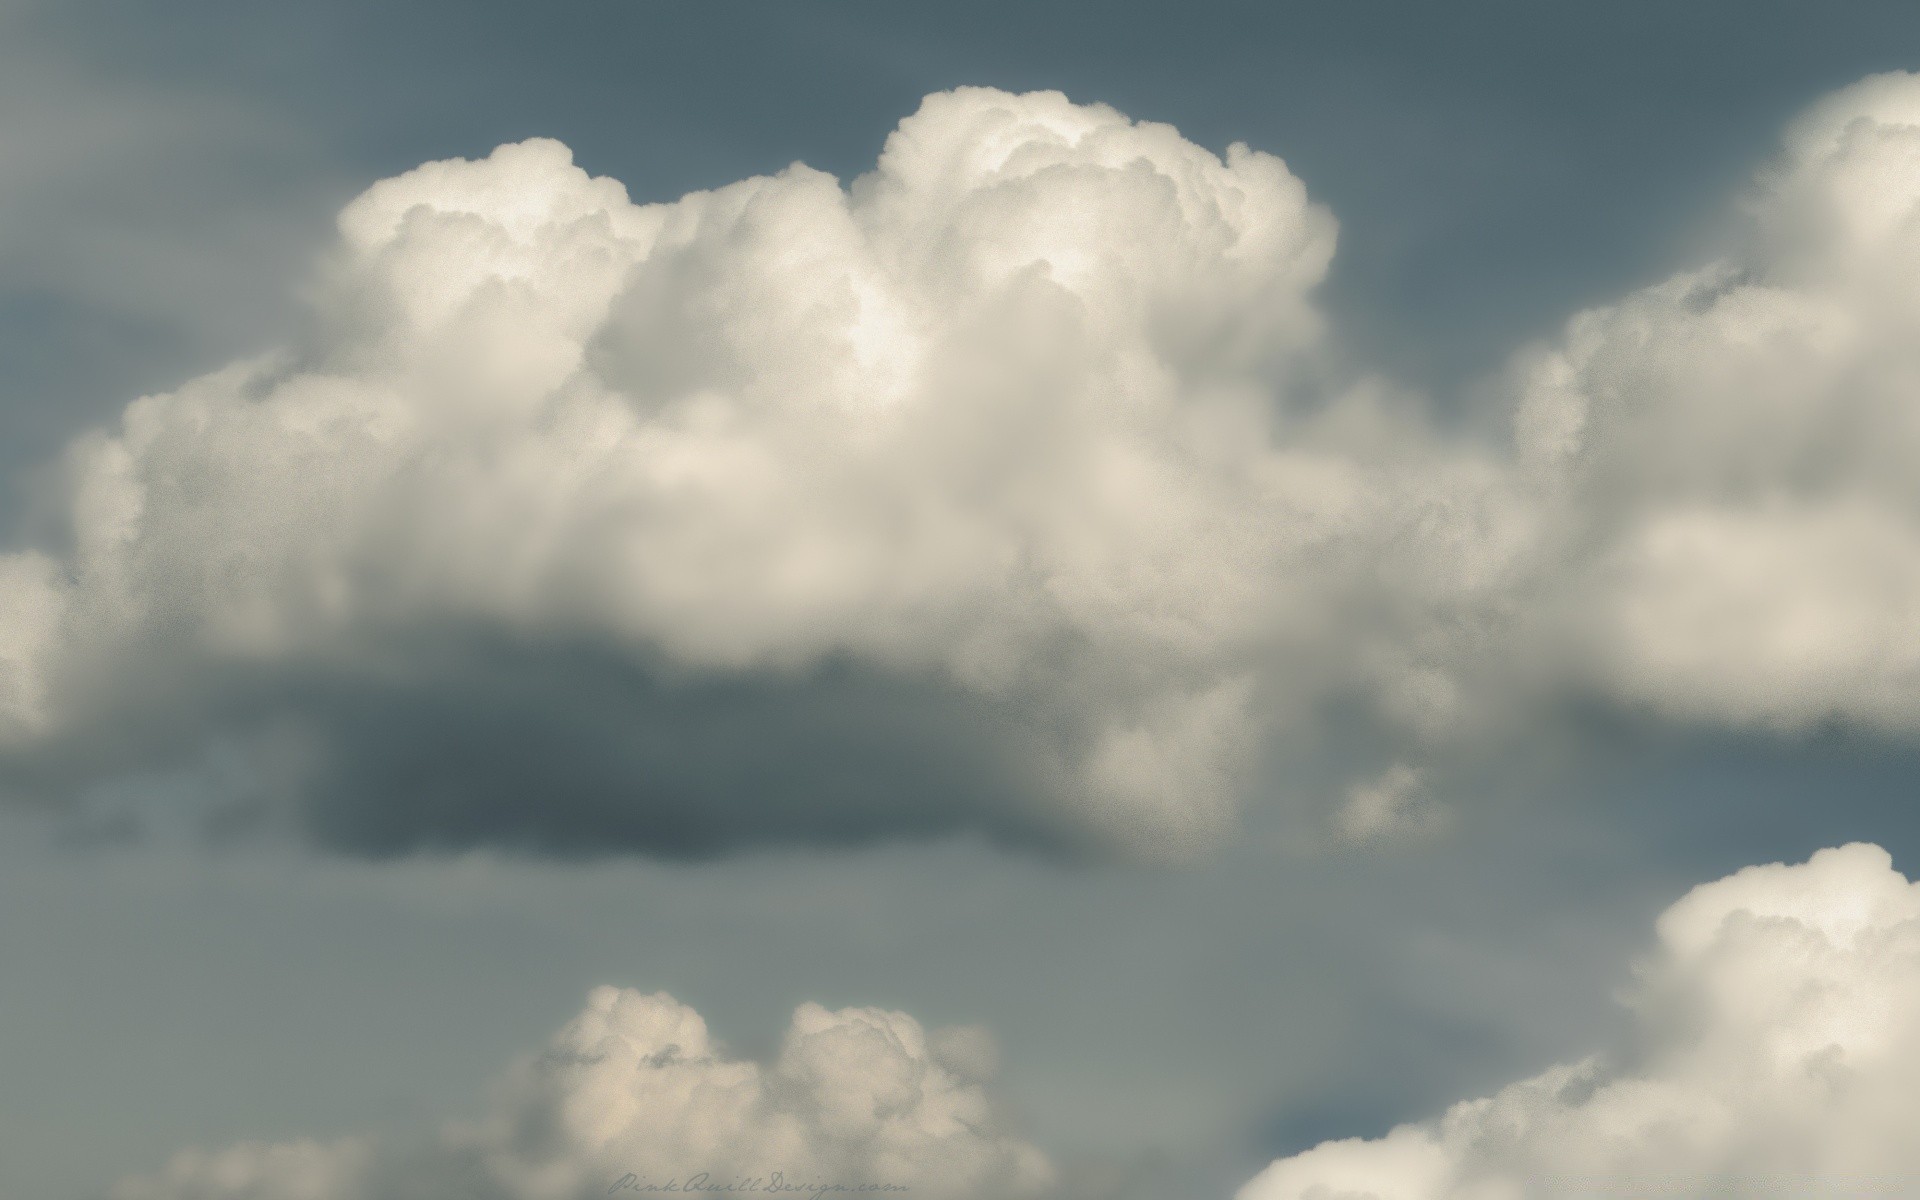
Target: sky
(1197, 583)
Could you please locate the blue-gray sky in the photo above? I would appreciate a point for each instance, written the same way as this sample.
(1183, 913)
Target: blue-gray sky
(169, 175)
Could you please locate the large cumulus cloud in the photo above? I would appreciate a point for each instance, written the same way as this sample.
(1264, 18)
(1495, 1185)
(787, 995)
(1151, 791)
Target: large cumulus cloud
(635, 1086)
(1779, 1038)
(1014, 487)
(1001, 489)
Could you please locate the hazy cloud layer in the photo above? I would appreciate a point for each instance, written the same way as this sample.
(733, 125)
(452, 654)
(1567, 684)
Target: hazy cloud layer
(1777, 1025)
(636, 1086)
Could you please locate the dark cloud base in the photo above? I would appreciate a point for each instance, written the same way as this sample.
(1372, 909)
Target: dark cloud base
(569, 752)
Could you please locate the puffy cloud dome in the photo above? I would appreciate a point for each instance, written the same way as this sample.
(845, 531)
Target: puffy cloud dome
(634, 1088)
(995, 441)
(1777, 1019)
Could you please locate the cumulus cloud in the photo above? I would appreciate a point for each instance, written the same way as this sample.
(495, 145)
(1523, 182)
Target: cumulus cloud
(999, 489)
(635, 1086)
(1779, 1023)
(1731, 454)
(1009, 488)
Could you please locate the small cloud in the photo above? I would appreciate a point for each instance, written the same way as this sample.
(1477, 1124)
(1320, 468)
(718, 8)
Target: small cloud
(635, 1089)
(1393, 807)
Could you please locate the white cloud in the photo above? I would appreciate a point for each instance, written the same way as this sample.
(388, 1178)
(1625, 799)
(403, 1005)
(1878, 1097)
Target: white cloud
(1024, 413)
(636, 1086)
(1779, 1037)
(1008, 487)
(1732, 454)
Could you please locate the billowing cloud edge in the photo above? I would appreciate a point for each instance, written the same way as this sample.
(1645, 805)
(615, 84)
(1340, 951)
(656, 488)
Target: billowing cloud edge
(1774, 1056)
(980, 450)
(634, 1094)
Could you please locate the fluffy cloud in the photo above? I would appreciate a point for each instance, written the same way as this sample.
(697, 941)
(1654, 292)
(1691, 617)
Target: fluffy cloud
(1779, 1022)
(1732, 454)
(1009, 488)
(635, 1086)
(999, 489)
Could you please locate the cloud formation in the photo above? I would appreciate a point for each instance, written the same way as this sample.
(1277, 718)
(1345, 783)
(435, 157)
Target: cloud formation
(994, 490)
(1731, 454)
(636, 1086)
(1011, 488)
(1776, 1034)
(1779, 1036)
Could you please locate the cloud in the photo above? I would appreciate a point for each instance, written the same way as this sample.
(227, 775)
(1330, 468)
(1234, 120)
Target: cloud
(1393, 806)
(302, 1170)
(636, 1086)
(1000, 490)
(1730, 455)
(1775, 1034)
(1777, 1046)
(1012, 488)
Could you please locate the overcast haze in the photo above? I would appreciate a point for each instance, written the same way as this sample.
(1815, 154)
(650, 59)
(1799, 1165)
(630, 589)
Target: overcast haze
(1052, 601)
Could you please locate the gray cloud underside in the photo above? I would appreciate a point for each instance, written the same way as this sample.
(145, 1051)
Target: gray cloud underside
(568, 751)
